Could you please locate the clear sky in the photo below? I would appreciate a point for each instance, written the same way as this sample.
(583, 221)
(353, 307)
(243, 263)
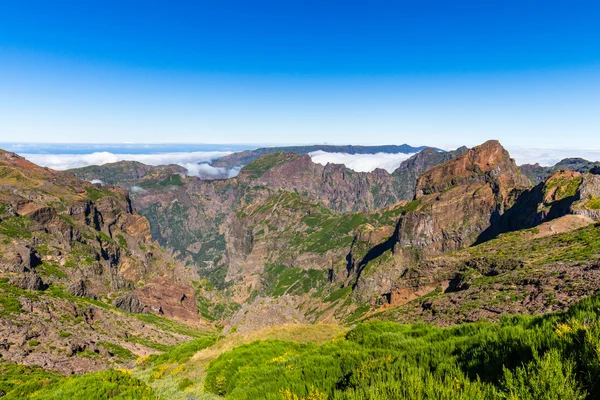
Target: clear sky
(423, 72)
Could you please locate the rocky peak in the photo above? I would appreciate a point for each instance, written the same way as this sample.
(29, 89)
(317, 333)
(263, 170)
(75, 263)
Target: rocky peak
(484, 163)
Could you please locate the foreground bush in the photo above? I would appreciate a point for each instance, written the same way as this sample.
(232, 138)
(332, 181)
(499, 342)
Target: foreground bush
(550, 357)
(20, 382)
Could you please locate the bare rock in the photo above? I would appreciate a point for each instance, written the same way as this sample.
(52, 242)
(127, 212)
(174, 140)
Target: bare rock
(130, 303)
(28, 281)
(79, 289)
(19, 258)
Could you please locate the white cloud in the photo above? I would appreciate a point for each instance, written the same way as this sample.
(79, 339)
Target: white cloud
(208, 171)
(361, 162)
(550, 156)
(137, 189)
(187, 160)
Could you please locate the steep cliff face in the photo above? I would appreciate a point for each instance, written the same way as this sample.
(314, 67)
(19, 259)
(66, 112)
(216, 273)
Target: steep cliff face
(481, 198)
(410, 170)
(455, 203)
(65, 244)
(458, 200)
(335, 186)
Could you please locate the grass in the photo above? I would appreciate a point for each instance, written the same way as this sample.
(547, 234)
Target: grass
(95, 194)
(118, 351)
(167, 374)
(565, 187)
(261, 165)
(280, 280)
(578, 245)
(338, 294)
(172, 180)
(593, 203)
(21, 382)
(549, 357)
(16, 227)
(9, 299)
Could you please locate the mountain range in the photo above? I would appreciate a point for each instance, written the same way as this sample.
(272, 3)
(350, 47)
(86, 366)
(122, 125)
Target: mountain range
(94, 275)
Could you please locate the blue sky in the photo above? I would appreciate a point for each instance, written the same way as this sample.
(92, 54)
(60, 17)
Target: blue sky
(435, 73)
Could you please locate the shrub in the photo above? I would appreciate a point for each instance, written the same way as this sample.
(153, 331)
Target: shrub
(549, 357)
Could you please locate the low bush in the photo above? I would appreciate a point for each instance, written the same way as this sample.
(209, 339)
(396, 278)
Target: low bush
(549, 357)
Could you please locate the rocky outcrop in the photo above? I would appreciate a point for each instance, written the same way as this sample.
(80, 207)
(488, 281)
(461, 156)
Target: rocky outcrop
(80, 289)
(19, 258)
(164, 297)
(460, 199)
(129, 302)
(28, 281)
(407, 174)
(455, 204)
(589, 197)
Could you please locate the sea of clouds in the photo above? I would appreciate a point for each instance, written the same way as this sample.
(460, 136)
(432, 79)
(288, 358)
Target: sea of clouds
(390, 162)
(198, 163)
(361, 162)
(547, 157)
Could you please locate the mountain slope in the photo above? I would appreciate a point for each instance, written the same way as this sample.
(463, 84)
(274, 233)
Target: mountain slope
(537, 174)
(75, 261)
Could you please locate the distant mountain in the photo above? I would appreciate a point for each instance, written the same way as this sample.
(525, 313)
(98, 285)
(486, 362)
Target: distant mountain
(538, 174)
(247, 156)
(127, 173)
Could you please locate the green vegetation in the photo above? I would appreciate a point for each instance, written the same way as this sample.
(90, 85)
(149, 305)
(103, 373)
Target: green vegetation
(117, 350)
(171, 326)
(172, 180)
(593, 203)
(175, 219)
(9, 299)
(329, 232)
(181, 353)
(412, 206)
(549, 357)
(578, 245)
(48, 268)
(16, 227)
(280, 280)
(95, 194)
(261, 165)
(565, 187)
(122, 241)
(338, 294)
(21, 382)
